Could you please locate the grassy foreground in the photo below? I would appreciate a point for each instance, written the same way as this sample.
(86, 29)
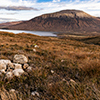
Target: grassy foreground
(63, 69)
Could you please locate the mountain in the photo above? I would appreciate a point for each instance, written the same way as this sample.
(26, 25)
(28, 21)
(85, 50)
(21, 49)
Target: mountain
(62, 21)
(2, 25)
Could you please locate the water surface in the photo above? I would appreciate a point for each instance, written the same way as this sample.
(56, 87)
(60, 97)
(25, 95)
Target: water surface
(40, 33)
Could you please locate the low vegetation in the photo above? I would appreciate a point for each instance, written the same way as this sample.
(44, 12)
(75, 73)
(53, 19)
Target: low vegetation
(63, 69)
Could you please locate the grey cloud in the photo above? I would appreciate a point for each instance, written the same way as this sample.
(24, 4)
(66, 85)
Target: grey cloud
(18, 8)
(8, 13)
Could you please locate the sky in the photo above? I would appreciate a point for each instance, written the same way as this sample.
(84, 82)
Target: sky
(9, 8)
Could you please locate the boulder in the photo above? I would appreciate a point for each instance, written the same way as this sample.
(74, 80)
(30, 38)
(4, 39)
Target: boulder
(17, 66)
(21, 59)
(29, 69)
(9, 75)
(18, 72)
(4, 63)
(2, 71)
(10, 66)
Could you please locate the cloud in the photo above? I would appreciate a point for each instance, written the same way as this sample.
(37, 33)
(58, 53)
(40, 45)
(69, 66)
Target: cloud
(89, 6)
(17, 2)
(17, 8)
(56, 1)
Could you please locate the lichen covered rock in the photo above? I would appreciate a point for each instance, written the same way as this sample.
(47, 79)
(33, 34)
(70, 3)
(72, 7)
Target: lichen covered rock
(4, 63)
(21, 59)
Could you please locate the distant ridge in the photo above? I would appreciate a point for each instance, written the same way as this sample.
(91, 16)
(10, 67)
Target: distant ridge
(62, 21)
(2, 25)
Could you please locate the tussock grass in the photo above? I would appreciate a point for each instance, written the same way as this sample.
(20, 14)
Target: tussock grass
(75, 66)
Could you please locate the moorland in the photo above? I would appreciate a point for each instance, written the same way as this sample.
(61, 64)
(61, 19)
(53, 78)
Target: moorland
(64, 68)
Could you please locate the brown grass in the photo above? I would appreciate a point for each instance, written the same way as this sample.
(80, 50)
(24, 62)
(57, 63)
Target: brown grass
(69, 59)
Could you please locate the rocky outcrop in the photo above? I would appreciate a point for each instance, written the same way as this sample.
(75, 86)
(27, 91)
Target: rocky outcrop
(15, 68)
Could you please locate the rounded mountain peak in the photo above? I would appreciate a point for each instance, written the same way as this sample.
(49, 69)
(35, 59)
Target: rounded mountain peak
(67, 14)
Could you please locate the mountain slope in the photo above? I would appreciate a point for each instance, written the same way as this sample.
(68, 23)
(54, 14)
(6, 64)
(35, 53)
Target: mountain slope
(66, 20)
(2, 25)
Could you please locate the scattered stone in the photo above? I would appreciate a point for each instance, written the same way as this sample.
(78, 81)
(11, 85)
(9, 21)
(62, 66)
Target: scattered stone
(63, 79)
(14, 69)
(21, 59)
(52, 71)
(10, 65)
(9, 70)
(34, 50)
(36, 46)
(4, 63)
(12, 90)
(9, 75)
(62, 60)
(29, 68)
(25, 66)
(18, 72)
(35, 93)
(2, 66)
(2, 71)
(72, 82)
(17, 66)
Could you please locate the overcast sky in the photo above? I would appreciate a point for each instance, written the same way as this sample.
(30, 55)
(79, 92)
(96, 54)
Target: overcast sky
(44, 6)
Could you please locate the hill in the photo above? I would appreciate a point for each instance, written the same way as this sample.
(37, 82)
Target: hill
(61, 68)
(62, 21)
(2, 25)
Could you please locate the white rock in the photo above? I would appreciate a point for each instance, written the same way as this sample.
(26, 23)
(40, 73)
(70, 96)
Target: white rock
(9, 74)
(63, 79)
(52, 71)
(18, 72)
(17, 66)
(36, 46)
(73, 82)
(20, 59)
(25, 66)
(62, 60)
(4, 63)
(2, 71)
(34, 50)
(29, 68)
(10, 65)
(12, 90)
(2, 66)
(35, 93)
